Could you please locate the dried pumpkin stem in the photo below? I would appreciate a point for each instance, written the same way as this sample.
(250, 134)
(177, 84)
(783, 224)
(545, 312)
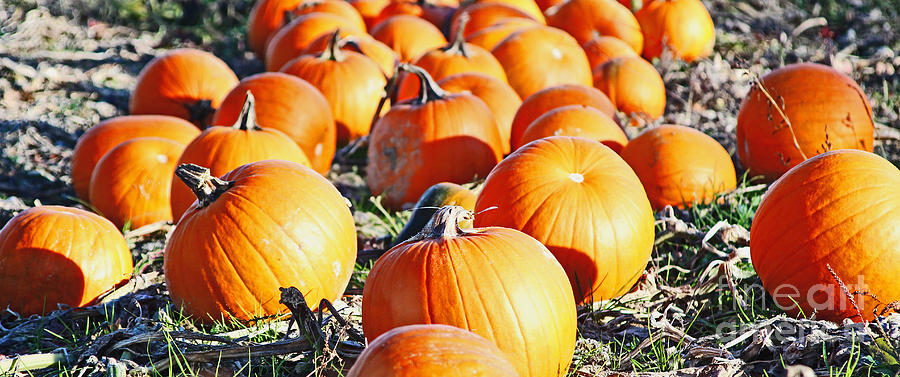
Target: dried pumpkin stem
(458, 45)
(205, 186)
(199, 111)
(247, 120)
(333, 49)
(445, 223)
(429, 90)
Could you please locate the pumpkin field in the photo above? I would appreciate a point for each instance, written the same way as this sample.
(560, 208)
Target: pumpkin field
(531, 188)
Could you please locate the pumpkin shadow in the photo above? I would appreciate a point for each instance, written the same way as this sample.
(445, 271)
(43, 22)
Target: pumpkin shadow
(34, 281)
(580, 269)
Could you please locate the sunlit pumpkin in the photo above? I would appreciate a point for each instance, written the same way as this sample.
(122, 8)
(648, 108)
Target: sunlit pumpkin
(294, 38)
(408, 36)
(585, 19)
(362, 43)
(491, 36)
(266, 17)
(436, 14)
(483, 15)
(576, 120)
(634, 86)
(683, 27)
(336, 7)
(498, 96)
(548, 99)
(601, 49)
(369, 10)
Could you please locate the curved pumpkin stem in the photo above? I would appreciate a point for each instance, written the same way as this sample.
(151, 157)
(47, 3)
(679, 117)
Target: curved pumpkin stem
(247, 120)
(444, 223)
(429, 90)
(199, 111)
(207, 187)
(458, 45)
(333, 49)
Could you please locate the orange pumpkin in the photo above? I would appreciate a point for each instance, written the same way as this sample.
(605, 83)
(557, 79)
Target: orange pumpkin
(546, 4)
(98, 140)
(295, 37)
(262, 226)
(582, 201)
(683, 27)
(491, 36)
(369, 10)
(472, 279)
(484, 15)
(601, 49)
(52, 255)
(408, 36)
(824, 110)
(530, 7)
(362, 43)
(632, 5)
(411, 149)
(336, 7)
(837, 209)
(431, 350)
(223, 149)
(585, 19)
(266, 17)
(540, 57)
(456, 57)
(548, 99)
(498, 96)
(436, 14)
(679, 166)
(633, 85)
(576, 120)
(290, 105)
(352, 83)
(131, 183)
(185, 83)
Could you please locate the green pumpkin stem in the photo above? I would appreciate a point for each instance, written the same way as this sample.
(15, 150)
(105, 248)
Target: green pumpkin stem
(333, 49)
(247, 120)
(458, 45)
(429, 90)
(444, 223)
(205, 186)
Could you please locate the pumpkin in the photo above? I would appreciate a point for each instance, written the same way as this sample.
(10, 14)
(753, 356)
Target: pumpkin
(436, 137)
(633, 85)
(369, 10)
(498, 96)
(98, 140)
(576, 120)
(456, 57)
(431, 350)
(484, 15)
(548, 99)
(185, 83)
(295, 37)
(362, 43)
(601, 49)
(632, 5)
(437, 196)
(837, 209)
(683, 27)
(540, 57)
(530, 7)
(290, 105)
(436, 14)
(472, 279)
(266, 17)
(351, 82)
(131, 183)
(223, 149)
(546, 4)
(807, 106)
(491, 36)
(336, 7)
(408, 36)
(262, 226)
(52, 255)
(582, 201)
(584, 19)
(679, 166)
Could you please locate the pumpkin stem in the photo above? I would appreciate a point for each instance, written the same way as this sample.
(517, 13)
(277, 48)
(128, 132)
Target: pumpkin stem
(444, 223)
(458, 45)
(333, 49)
(429, 90)
(207, 187)
(199, 111)
(247, 120)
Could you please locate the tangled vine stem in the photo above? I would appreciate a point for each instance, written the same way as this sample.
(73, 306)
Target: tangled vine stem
(247, 120)
(445, 223)
(458, 45)
(784, 116)
(429, 90)
(205, 186)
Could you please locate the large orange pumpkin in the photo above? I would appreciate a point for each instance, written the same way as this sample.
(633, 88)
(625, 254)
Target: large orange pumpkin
(431, 350)
(491, 36)
(582, 201)
(484, 15)
(684, 27)
(132, 182)
(601, 49)
(679, 166)
(53, 255)
(106, 135)
(585, 19)
(633, 85)
(530, 7)
(408, 36)
(266, 17)
(436, 137)
(336, 7)
(498, 96)
(369, 10)
(362, 43)
(837, 209)
(351, 82)
(290, 105)
(262, 226)
(825, 110)
(186, 83)
(295, 37)
(540, 57)
(548, 99)
(223, 149)
(576, 120)
(473, 279)
(436, 14)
